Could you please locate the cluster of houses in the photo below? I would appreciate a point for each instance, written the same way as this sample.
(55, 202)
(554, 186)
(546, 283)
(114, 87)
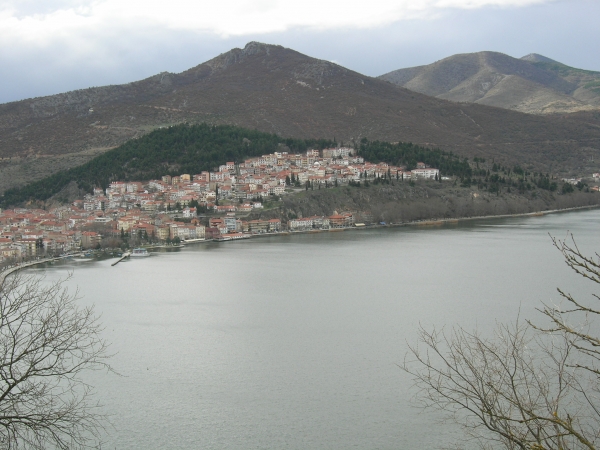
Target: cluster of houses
(576, 181)
(252, 180)
(153, 211)
(31, 232)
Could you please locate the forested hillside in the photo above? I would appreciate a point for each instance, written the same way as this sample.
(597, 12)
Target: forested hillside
(407, 154)
(194, 148)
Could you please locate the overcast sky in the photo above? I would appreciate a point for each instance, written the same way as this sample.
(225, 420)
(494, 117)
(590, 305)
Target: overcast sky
(52, 46)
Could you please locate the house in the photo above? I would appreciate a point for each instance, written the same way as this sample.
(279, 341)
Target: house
(125, 223)
(232, 224)
(163, 232)
(29, 246)
(200, 231)
(341, 220)
(302, 224)
(427, 173)
(274, 225)
(189, 212)
(12, 252)
(258, 226)
(90, 239)
(134, 186)
(212, 233)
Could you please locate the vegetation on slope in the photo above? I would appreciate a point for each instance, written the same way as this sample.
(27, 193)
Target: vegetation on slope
(195, 148)
(407, 154)
(401, 202)
(563, 69)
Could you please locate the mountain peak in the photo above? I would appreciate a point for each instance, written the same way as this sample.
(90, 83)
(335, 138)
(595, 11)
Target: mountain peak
(254, 47)
(536, 57)
(238, 55)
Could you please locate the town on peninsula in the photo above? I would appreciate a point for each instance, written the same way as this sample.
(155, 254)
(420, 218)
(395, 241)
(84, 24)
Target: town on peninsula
(210, 205)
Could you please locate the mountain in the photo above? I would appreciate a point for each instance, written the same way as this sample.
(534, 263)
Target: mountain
(278, 90)
(533, 84)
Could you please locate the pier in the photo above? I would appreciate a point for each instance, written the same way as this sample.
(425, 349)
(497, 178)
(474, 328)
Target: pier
(125, 256)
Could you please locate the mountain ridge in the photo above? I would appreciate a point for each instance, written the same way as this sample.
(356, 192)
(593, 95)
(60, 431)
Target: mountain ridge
(532, 84)
(274, 89)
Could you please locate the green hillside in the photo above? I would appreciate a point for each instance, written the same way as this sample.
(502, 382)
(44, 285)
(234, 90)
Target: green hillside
(195, 148)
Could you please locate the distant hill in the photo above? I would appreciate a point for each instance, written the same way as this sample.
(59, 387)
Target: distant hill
(278, 90)
(533, 84)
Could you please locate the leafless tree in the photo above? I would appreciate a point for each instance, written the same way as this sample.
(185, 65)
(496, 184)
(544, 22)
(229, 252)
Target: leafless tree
(46, 342)
(525, 386)
(577, 320)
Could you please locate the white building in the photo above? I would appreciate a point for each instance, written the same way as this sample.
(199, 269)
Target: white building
(428, 173)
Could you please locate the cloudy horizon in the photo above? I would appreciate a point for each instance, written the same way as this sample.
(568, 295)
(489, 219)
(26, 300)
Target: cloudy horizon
(62, 45)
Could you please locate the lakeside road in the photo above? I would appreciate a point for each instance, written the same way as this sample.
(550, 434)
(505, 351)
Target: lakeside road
(18, 267)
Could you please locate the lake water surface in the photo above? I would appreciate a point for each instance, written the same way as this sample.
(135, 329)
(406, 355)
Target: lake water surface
(294, 342)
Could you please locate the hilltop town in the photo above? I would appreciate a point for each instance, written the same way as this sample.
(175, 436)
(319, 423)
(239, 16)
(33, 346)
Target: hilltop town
(215, 205)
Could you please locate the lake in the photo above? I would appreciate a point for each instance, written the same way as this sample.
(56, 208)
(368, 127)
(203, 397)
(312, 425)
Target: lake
(294, 342)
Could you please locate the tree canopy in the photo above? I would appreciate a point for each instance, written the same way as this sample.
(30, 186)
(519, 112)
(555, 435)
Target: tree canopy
(407, 154)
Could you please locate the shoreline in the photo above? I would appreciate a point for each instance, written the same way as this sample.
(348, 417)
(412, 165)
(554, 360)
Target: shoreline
(499, 216)
(431, 222)
(416, 223)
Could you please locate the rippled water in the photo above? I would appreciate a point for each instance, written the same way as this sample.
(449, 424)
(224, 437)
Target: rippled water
(294, 342)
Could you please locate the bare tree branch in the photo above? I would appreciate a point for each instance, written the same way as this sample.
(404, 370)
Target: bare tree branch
(46, 342)
(525, 387)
